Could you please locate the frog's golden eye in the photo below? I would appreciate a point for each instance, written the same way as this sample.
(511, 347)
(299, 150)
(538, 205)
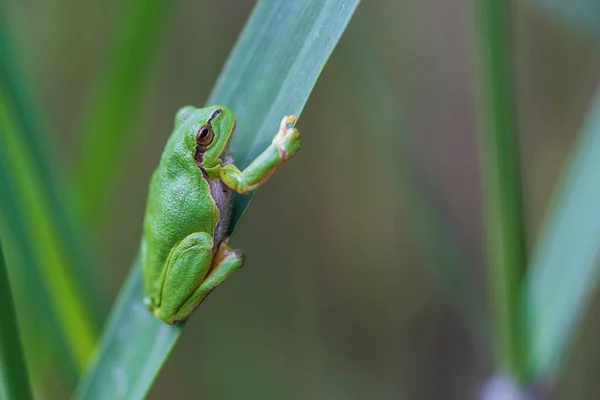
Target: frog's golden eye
(205, 135)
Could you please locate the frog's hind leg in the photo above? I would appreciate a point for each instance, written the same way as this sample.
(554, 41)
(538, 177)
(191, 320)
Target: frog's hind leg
(188, 266)
(224, 263)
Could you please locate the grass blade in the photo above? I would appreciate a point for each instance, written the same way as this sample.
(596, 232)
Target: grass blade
(270, 73)
(579, 14)
(139, 345)
(37, 237)
(293, 63)
(107, 128)
(502, 186)
(14, 379)
(564, 268)
(34, 217)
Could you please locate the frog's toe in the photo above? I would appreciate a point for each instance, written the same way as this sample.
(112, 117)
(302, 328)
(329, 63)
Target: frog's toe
(288, 119)
(225, 251)
(283, 128)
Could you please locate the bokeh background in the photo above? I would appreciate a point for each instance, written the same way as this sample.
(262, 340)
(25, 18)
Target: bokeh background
(365, 273)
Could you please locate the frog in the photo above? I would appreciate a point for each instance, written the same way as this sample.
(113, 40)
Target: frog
(185, 251)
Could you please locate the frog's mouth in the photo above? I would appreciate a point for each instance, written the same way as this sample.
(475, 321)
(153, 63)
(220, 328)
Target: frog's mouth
(198, 157)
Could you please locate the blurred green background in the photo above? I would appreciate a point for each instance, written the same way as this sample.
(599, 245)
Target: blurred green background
(365, 273)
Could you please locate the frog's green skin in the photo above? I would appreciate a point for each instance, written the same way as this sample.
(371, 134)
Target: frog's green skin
(184, 248)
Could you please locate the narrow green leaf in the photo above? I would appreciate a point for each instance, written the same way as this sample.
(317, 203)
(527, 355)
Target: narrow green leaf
(34, 216)
(109, 120)
(564, 267)
(27, 220)
(502, 185)
(133, 348)
(14, 379)
(273, 69)
(26, 280)
(270, 73)
(579, 14)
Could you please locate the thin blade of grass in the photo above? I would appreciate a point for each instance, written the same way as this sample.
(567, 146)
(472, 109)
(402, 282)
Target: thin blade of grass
(270, 73)
(505, 227)
(17, 253)
(132, 350)
(565, 263)
(42, 261)
(34, 217)
(14, 379)
(110, 116)
(292, 50)
(579, 14)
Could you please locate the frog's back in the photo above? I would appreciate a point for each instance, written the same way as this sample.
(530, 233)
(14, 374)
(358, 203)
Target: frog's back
(179, 204)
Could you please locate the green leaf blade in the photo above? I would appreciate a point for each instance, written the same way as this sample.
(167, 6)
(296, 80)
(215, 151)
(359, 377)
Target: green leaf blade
(14, 379)
(503, 200)
(580, 15)
(45, 262)
(35, 218)
(110, 116)
(261, 83)
(138, 347)
(565, 264)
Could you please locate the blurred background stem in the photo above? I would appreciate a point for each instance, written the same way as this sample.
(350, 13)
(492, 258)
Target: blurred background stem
(504, 219)
(109, 119)
(14, 379)
(48, 256)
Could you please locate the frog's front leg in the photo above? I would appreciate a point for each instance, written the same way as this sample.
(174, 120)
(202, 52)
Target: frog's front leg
(285, 144)
(224, 263)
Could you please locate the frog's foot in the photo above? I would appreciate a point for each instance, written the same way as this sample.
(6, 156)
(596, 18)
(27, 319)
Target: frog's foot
(150, 306)
(225, 261)
(224, 252)
(287, 139)
(148, 303)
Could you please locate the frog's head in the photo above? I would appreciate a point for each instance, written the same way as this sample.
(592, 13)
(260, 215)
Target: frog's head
(208, 133)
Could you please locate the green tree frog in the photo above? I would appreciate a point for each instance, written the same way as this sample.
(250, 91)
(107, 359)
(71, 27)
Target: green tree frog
(185, 252)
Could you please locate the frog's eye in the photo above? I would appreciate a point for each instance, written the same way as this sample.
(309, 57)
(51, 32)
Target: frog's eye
(204, 136)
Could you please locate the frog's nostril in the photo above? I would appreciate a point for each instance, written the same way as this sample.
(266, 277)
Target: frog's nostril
(214, 115)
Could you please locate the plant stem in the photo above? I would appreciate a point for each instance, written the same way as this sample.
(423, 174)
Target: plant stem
(504, 225)
(109, 119)
(55, 267)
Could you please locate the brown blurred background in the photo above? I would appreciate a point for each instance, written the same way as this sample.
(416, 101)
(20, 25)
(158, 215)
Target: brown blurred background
(348, 291)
